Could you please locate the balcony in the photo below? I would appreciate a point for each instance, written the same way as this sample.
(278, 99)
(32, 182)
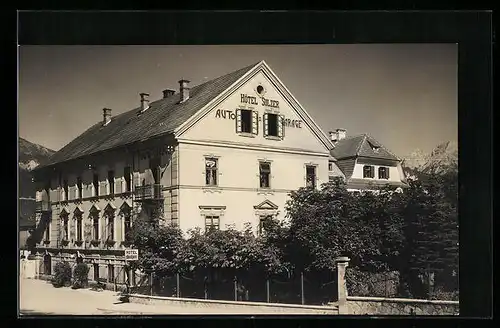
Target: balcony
(42, 206)
(148, 192)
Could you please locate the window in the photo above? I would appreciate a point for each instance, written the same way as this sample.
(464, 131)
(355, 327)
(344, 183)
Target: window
(110, 226)
(211, 171)
(273, 125)
(311, 176)
(265, 175)
(111, 273)
(330, 166)
(65, 187)
(368, 171)
(47, 231)
(127, 174)
(79, 228)
(383, 173)
(111, 182)
(95, 226)
(263, 219)
(79, 187)
(95, 182)
(127, 225)
(154, 165)
(96, 272)
(211, 223)
(65, 222)
(247, 121)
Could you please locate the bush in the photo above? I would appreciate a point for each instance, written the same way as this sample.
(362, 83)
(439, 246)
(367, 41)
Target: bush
(81, 275)
(62, 274)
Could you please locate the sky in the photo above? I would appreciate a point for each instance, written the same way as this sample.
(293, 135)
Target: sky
(404, 95)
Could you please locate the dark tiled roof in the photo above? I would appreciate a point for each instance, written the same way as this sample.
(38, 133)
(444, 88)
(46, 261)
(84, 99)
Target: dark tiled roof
(162, 117)
(370, 184)
(361, 146)
(347, 166)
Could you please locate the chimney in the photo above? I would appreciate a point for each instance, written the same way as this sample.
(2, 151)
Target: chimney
(106, 116)
(184, 90)
(168, 92)
(338, 135)
(144, 101)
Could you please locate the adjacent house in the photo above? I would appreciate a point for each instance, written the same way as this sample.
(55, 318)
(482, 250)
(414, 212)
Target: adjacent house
(222, 154)
(365, 163)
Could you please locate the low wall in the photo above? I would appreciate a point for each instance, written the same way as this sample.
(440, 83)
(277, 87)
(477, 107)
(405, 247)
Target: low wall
(399, 306)
(244, 306)
(28, 269)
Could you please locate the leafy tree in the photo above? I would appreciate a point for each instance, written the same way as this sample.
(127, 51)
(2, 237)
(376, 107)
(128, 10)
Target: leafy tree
(158, 246)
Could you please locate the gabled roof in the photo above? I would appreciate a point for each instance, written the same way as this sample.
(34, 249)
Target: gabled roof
(361, 146)
(161, 118)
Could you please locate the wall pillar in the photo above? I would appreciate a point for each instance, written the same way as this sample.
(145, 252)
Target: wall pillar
(342, 263)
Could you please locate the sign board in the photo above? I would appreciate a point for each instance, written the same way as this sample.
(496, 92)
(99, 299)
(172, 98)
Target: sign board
(131, 254)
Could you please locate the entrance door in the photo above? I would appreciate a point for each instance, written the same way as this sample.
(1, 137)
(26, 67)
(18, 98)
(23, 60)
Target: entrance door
(47, 264)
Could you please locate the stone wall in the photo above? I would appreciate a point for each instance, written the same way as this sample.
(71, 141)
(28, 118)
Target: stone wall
(398, 306)
(244, 306)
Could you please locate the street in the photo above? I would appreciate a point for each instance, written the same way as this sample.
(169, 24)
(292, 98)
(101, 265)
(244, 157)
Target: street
(38, 297)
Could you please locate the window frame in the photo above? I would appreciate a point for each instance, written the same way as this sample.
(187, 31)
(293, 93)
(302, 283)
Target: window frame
(95, 225)
(95, 183)
(280, 126)
(212, 217)
(66, 189)
(79, 227)
(371, 172)
(315, 174)
(79, 187)
(384, 169)
(111, 269)
(127, 220)
(253, 129)
(211, 173)
(111, 182)
(261, 172)
(110, 225)
(262, 219)
(127, 178)
(65, 224)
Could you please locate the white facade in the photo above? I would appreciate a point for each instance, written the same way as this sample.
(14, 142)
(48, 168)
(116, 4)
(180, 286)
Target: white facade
(236, 197)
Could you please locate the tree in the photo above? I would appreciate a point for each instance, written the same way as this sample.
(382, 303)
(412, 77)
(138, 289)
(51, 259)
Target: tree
(158, 245)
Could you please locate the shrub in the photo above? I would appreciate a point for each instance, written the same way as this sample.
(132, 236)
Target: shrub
(80, 275)
(62, 274)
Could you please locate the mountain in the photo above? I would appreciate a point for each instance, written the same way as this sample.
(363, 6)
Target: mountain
(443, 158)
(30, 156)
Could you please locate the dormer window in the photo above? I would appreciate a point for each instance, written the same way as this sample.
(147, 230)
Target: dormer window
(368, 171)
(383, 173)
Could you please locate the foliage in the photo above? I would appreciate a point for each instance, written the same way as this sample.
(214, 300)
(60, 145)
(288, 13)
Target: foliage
(158, 246)
(62, 274)
(80, 275)
(363, 283)
(414, 233)
(332, 222)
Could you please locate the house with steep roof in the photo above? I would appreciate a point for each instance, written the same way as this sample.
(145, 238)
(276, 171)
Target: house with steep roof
(365, 162)
(223, 154)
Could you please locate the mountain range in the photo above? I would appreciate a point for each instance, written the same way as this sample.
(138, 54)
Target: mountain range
(30, 156)
(443, 158)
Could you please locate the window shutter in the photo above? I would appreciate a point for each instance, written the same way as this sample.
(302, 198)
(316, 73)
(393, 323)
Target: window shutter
(238, 121)
(281, 126)
(266, 127)
(255, 122)
(72, 231)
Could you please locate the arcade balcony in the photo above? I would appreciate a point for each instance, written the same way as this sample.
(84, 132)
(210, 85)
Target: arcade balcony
(42, 206)
(148, 192)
